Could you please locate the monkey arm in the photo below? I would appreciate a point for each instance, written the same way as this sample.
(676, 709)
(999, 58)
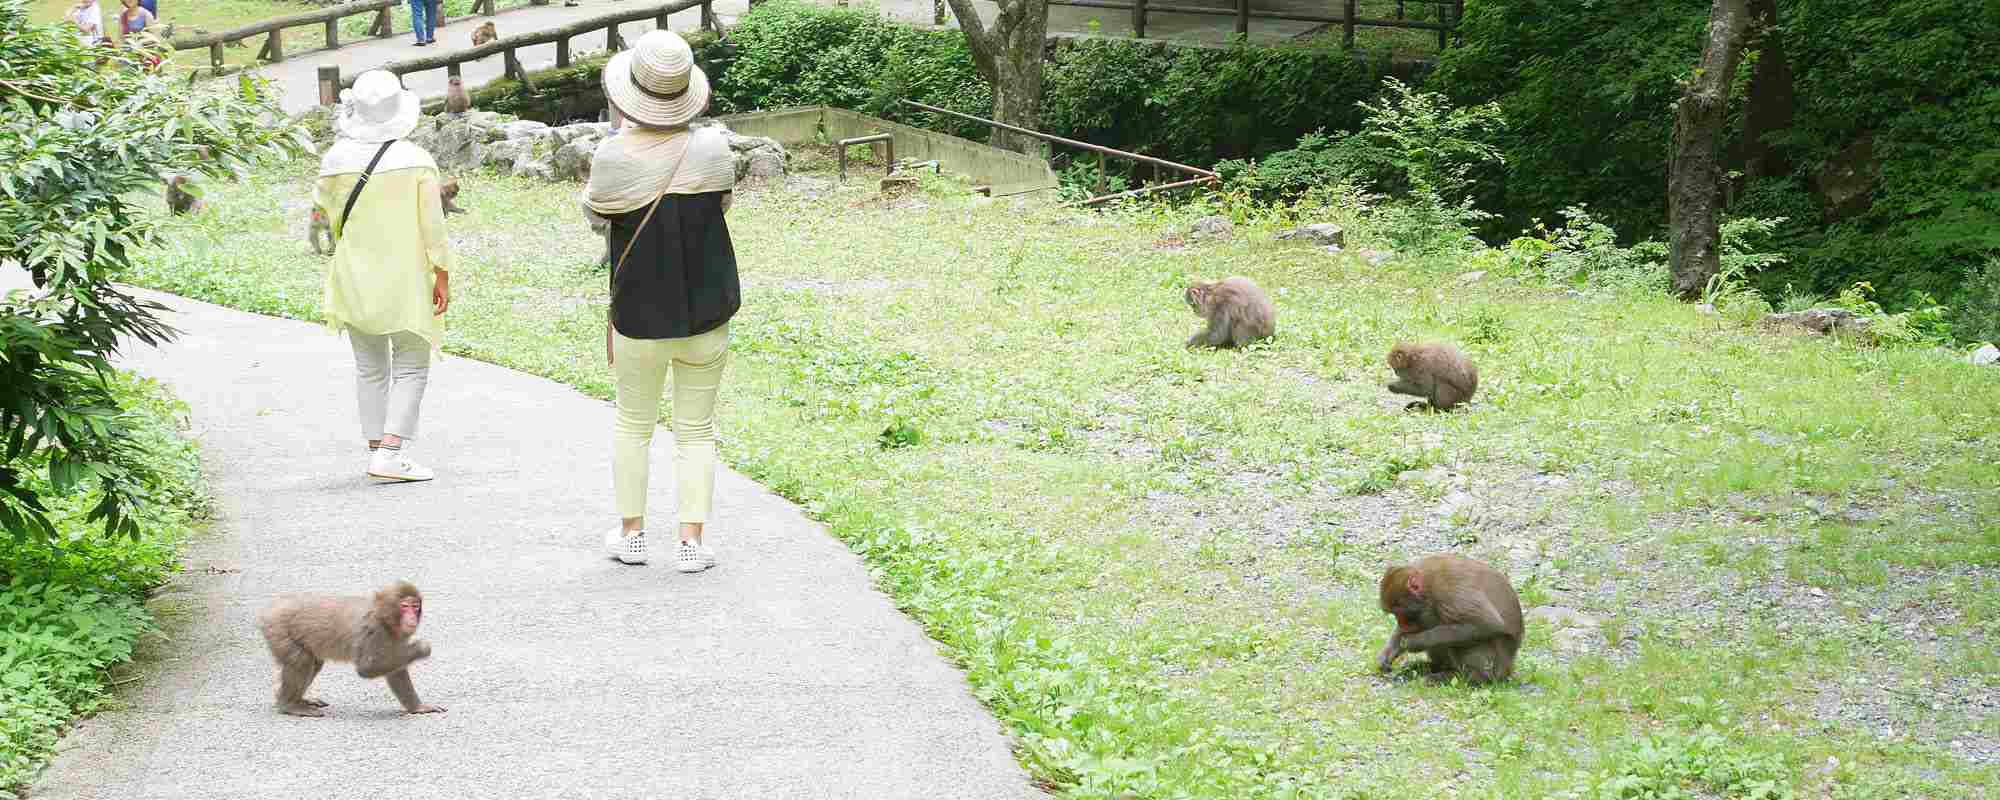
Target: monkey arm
(1390, 652)
(406, 693)
(1409, 387)
(1452, 635)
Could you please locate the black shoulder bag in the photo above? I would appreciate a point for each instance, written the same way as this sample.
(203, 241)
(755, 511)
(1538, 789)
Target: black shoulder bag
(356, 191)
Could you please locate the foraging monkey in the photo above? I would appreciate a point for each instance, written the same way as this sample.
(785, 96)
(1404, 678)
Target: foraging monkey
(484, 33)
(1462, 613)
(307, 631)
(1434, 371)
(447, 192)
(1237, 310)
(179, 199)
(455, 99)
(320, 230)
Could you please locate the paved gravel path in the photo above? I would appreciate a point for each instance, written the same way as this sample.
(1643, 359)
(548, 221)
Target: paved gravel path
(782, 673)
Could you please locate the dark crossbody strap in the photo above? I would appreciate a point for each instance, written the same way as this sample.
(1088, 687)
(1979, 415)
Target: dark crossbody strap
(355, 192)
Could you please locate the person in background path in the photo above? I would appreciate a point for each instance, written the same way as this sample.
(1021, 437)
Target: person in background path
(133, 19)
(389, 283)
(89, 21)
(422, 23)
(663, 189)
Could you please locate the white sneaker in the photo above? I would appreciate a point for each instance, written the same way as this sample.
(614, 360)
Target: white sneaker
(707, 556)
(688, 558)
(627, 549)
(392, 465)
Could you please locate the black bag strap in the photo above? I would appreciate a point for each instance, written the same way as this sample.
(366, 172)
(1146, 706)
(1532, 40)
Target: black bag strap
(355, 192)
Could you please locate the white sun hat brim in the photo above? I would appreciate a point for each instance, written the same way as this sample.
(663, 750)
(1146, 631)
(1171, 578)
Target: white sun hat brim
(663, 54)
(376, 125)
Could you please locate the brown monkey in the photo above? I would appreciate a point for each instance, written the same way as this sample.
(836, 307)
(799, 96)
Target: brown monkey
(1237, 310)
(179, 199)
(1434, 371)
(455, 99)
(1463, 613)
(306, 631)
(320, 230)
(448, 192)
(484, 33)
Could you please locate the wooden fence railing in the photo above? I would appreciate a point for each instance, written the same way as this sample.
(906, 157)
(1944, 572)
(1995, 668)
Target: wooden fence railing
(1449, 12)
(331, 81)
(274, 29)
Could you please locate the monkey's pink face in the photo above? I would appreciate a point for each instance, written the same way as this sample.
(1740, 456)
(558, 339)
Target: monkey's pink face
(413, 612)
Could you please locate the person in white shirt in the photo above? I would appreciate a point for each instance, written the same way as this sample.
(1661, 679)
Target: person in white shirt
(89, 21)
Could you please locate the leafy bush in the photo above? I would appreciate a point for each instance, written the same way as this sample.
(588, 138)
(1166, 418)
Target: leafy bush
(1977, 315)
(1182, 103)
(72, 608)
(1702, 765)
(1590, 90)
(85, 146)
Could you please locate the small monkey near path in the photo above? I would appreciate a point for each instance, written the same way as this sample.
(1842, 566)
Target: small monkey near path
(307, 631)
(1460, 612)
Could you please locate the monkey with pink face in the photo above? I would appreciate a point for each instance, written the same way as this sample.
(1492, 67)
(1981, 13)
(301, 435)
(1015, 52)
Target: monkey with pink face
(374, 633)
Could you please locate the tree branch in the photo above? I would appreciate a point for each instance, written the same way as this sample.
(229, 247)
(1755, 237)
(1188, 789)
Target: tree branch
(985, 48)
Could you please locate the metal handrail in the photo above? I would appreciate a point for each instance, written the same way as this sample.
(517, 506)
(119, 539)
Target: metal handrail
(1202, 175)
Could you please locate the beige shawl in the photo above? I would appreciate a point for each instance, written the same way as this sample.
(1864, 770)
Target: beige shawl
(638, 164)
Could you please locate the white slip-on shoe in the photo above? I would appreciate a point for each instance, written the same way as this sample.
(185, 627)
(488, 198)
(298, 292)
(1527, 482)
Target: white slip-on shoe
(627, 549)
(392, 465)
(707, 556)
(687, 558)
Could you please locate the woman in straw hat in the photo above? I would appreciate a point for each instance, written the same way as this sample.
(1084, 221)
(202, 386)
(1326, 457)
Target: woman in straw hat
(388, 285)
(662, 187)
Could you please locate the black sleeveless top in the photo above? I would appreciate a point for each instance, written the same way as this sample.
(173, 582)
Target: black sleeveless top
(680, 279)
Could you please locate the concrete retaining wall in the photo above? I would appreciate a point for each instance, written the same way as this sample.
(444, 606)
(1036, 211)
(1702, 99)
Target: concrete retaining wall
(1007, 172)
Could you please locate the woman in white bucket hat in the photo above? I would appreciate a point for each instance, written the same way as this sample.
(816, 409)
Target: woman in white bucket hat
(663, 187)
(388, 285)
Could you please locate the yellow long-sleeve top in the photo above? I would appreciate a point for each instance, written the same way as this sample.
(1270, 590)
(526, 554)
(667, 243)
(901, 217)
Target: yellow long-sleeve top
(381, 276)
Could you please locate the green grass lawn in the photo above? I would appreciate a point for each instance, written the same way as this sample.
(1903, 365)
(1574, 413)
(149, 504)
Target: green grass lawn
(1157, 566)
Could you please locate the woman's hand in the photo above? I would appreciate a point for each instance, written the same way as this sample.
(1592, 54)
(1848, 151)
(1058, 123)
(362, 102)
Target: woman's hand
(441, 293)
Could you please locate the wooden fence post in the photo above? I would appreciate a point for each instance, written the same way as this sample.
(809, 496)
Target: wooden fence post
(562, 52)
(215, 57)
(1139, 19)
(381, 27)
(329, 84)
(709, 21)
(452, 70)
(332, 34)
(514, 69)
(612, 42)
(1243, 17)
(663, 22)
(1347, 26)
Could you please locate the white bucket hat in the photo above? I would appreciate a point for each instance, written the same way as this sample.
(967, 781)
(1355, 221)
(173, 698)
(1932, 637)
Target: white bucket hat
(656, 82)
(378, 108)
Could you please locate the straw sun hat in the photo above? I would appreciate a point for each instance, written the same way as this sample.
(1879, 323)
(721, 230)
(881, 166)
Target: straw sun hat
(656, 82)
(378, 108)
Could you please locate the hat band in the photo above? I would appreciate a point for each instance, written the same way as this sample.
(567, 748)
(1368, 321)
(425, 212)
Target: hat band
(664, 97)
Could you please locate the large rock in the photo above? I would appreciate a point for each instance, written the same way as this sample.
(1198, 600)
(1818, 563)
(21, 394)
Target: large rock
(1822, 321)
(572, 160)
(1324, 234)
(594, 130)
(1211, 228)
(1986, 356)
(526, 127)
(456, 142)
(759, 157)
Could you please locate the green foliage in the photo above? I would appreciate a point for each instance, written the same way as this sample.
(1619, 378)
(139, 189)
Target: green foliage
(1976, 318)
(1590, 89)
(83, 143)
(1704, 764)
(1923, 323)
(69, 609)
(789, 53)
(1196, 105)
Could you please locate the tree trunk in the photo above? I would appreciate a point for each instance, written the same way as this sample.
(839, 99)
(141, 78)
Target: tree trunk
(1694, 176)
(1769, 107)
(1008, 54)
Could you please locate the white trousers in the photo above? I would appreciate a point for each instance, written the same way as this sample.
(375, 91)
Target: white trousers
(390, 373)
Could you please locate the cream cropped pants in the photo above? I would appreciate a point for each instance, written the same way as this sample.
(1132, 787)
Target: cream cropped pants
(640, 367)
(391, 372)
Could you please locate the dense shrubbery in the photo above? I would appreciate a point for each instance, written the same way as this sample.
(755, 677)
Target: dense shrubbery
(1590, 90)
(70, 609)
(1182, 103)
